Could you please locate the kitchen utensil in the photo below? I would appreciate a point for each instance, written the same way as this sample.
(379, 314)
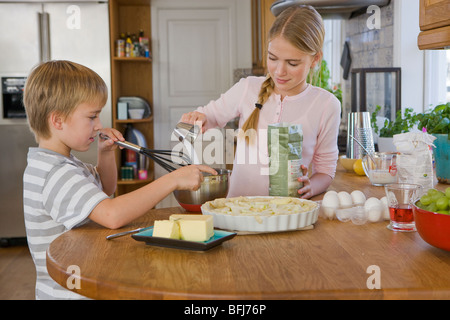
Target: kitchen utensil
(360, 128)
(400, 198)
(156, 155)
(134, 103)
(367, 151)
(186, 132)
(212, 187)
(121, 234)
(136, 113)
(381, 167)
(432, 227)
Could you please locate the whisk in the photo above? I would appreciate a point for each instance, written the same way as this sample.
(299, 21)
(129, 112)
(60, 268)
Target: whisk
(158, 156)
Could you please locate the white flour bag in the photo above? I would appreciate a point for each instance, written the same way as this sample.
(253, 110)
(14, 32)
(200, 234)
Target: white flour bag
(415, 159)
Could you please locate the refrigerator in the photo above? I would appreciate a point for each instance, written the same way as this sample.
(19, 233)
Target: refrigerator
(32, 32)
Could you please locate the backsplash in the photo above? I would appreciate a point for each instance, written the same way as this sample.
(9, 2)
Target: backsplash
(371, 48)
(368, 48)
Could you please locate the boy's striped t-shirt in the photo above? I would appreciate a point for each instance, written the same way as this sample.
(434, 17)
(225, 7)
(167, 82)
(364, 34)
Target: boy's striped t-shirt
(59, 193)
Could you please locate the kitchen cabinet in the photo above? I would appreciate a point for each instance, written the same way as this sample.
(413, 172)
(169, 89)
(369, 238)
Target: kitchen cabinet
(131, 76)
(262, 20)
(434, 21)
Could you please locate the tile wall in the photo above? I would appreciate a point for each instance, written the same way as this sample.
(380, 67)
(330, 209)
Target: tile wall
(369, 48)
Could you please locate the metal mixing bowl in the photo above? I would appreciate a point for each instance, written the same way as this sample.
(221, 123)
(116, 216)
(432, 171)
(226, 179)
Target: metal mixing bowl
(212, 187)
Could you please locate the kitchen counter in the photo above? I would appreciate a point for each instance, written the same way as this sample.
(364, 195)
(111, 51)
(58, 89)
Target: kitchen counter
(334, 260)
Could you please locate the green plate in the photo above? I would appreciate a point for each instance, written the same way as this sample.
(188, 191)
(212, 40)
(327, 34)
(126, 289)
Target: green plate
(218, 237)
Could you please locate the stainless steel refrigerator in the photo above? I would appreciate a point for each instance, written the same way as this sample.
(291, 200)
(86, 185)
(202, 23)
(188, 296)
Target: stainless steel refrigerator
(35, 31)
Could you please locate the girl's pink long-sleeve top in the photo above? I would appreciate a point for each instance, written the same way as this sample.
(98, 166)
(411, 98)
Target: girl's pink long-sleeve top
(317, 110)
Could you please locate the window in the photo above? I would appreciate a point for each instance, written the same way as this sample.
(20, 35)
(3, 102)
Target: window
(437, 78)
(448, 74)
(332, 49)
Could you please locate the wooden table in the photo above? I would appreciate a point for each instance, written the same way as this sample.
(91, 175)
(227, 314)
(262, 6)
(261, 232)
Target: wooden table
(335, 260)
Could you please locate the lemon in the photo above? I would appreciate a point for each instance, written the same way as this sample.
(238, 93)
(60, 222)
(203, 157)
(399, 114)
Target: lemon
(358, 168)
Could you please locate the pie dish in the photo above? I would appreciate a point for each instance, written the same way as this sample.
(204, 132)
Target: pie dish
(303, 213)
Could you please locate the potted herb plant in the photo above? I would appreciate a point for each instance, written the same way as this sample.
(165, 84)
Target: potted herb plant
(436, 121)
(401, 124)
(320, 77)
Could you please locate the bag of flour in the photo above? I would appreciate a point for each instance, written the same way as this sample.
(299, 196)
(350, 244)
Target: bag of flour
(415, 159)
(285, 155)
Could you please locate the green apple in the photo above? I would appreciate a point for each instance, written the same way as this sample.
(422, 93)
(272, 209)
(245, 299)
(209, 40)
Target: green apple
(447, 192)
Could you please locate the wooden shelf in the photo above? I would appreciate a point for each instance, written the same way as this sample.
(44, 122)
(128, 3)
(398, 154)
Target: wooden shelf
(132, 59)
(149, 119)
(131, 76)
(134, 181)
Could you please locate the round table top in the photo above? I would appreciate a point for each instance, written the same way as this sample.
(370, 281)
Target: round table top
(334, 260)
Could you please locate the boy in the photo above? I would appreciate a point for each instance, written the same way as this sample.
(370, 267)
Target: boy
(63, 101)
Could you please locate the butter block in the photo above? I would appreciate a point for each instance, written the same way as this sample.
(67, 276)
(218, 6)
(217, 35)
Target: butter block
(166, 229)
(194, 227)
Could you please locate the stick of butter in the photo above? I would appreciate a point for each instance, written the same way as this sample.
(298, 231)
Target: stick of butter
(166, 229)
(194, 227)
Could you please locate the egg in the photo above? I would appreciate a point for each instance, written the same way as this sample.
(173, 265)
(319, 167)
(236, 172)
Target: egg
(385, 214)
(332, 195)
(329, 194)
(358, 197)
(373, 208)
(330, 203)
(345, 199)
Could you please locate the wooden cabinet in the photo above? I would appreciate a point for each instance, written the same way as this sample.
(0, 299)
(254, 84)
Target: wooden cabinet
(434, 24)
(262, 20)
(131, 76)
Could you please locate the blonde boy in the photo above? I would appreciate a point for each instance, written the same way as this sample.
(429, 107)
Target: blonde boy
(63, 101)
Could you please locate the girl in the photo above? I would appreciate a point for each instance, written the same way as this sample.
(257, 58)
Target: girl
(294, 49)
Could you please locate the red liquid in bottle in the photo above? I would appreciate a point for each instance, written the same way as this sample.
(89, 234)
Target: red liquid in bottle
(401, 213)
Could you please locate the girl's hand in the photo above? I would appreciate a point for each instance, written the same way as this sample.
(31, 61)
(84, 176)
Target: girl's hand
(108, 144)
(194, 117)
(306, 191)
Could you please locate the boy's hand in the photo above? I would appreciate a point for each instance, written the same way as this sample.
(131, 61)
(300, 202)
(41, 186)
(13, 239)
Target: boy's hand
(108, 144)
(190, 177)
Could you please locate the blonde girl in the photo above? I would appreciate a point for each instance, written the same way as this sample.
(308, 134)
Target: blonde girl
(294, 49)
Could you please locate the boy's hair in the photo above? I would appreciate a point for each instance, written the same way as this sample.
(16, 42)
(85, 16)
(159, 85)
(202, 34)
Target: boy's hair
(302, 26)
(59, 86)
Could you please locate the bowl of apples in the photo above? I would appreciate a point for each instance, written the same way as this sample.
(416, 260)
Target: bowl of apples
(432, 218)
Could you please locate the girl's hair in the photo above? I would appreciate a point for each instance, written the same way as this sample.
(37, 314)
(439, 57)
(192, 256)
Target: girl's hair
(59, 86)
(302, 26)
